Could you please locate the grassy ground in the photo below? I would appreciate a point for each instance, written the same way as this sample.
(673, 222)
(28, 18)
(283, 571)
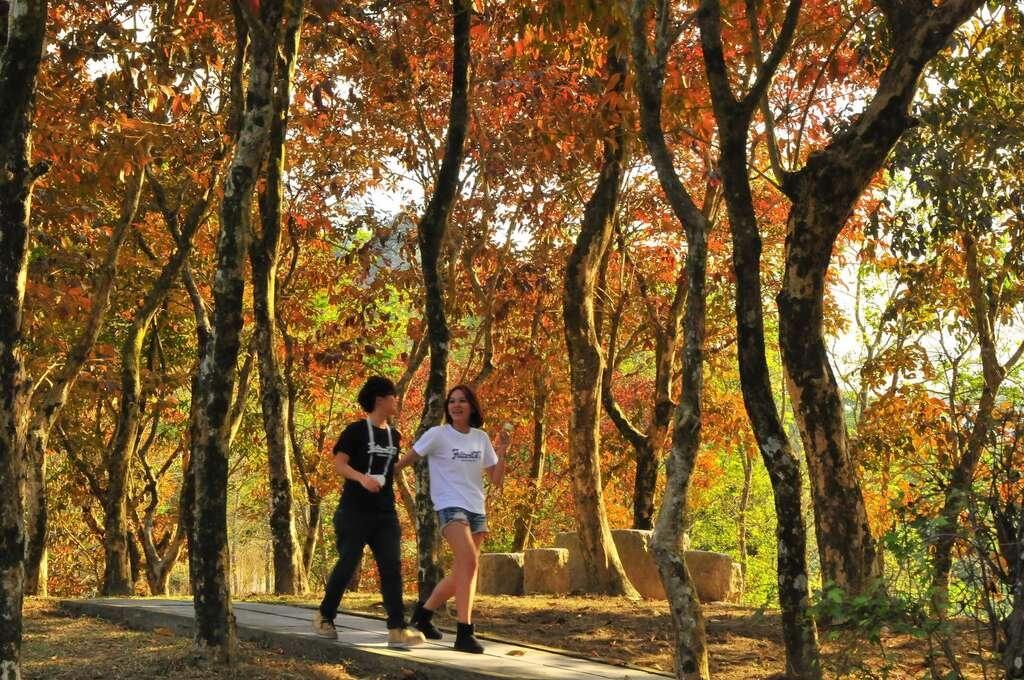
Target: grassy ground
(58, 647)
(744, 643)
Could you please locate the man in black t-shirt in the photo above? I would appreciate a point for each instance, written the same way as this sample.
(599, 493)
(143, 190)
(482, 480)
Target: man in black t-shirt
(365, 457)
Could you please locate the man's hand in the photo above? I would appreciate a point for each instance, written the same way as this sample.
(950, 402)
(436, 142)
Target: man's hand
(370, 484)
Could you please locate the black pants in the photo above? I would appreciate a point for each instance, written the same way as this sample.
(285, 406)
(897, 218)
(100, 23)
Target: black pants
(354, 530)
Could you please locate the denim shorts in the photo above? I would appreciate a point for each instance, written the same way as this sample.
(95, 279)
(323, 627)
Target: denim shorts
(477, 522)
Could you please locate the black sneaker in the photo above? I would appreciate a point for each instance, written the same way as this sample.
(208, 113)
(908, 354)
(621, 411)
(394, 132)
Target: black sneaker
(465, 641)
(420, 620)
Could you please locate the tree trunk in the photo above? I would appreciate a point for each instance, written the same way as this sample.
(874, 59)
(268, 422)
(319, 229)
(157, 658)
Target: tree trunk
(313, 498)
(647, 444)
(734, 116)
(431, 232)
(135, 561)
(46, 408)
(748, 477)
(666, 544)
(263, 254)
(1013, 654)
(116, 574)
(586, 362)
(159, 566)
(958, 490)
(310, 540)
(161, 555)
(538, 456)
(19, 65)
(214, 622)
(846, 547)
(420, 349)
(823, 194)
(36, 519)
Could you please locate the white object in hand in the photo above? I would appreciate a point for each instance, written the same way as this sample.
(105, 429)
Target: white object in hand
(380, 479)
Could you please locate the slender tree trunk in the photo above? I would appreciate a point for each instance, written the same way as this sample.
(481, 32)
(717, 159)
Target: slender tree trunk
(215, 630)
(431, 232)
(162, 555)
(309, 541)
(586, 361)
(525, 516)
(313, 499)
(958, 490)
(36, 520)
(734, 116)
(19, 65)
(47, 407)
(187, 496)
(748, 477)
(666, 543)
(687, 618)
(647, 444)
(263, 254)
(135, 561)
(1013, 654)
(117, 578)
(783, 467)
(172, 217)
(420, 350)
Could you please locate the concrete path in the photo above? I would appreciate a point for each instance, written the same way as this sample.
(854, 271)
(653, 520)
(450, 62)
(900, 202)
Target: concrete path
(363, 640)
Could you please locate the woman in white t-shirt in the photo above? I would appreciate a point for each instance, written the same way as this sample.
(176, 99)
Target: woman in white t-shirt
(458, 453)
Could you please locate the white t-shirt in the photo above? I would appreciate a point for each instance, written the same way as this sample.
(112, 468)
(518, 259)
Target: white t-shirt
(456, 463)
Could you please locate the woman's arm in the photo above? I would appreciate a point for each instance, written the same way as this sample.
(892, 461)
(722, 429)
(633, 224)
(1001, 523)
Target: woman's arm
(341, 461)
(405, 460)
(496, 472)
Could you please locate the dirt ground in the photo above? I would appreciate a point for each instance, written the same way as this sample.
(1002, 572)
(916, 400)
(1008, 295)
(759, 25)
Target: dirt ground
(58, 647)
(744, 643)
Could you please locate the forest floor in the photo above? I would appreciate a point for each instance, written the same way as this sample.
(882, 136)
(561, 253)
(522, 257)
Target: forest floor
(744, 643)
(59, 647)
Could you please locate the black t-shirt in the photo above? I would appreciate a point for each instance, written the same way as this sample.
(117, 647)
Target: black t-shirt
(355, 443)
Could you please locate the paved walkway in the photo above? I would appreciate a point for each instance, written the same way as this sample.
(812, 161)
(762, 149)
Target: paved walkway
(363, 640)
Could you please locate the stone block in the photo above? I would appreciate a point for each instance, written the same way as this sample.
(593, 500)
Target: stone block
(714, 575)
(546, 571)
(500, 574)
(634, 546)
(570, 541)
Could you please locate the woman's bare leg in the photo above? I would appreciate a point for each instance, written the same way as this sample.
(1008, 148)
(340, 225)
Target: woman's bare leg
(461, 582)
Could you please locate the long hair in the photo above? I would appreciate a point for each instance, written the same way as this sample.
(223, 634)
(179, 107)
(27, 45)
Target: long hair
(476, 416)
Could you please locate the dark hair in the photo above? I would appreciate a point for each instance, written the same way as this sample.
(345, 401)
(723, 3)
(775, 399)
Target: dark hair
(476, 417)
(377, 386)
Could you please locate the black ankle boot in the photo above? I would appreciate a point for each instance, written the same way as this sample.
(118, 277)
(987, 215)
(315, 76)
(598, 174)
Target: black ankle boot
(421, 621)
(464, 640)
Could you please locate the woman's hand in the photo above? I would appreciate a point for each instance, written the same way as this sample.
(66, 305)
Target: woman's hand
(502, 441)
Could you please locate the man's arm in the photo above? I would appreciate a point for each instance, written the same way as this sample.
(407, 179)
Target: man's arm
(341, 464)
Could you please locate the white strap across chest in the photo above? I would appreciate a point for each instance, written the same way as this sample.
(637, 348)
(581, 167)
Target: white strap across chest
(373, 449)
